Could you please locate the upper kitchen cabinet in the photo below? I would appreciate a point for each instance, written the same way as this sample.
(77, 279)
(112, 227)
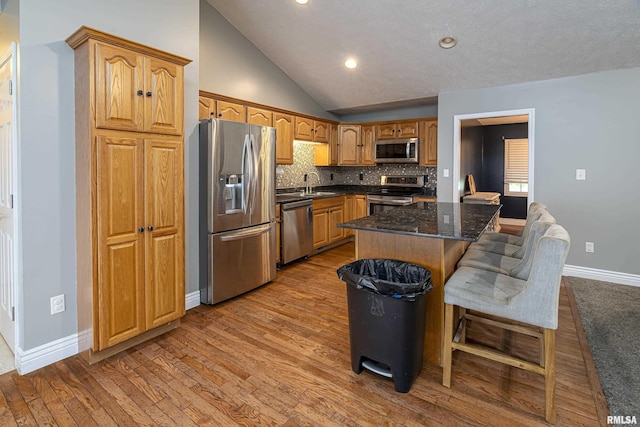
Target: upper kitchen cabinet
(258, 116)
(349, 142)
(206, 108)
(356, 145)
(311, 130)
(429, 142)
(327, 154)
(231, 111)
(284, 138)
(137, 92)
(405, 129)
(367, 147)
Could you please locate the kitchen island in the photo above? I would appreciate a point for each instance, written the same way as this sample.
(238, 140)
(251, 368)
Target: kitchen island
(432, 235)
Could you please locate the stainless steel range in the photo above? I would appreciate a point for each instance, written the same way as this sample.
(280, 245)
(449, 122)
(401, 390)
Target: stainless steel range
(396, 191)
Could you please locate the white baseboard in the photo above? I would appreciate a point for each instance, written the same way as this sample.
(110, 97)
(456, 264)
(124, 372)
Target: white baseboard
(46, 354)
(54, 351)
(602, 275)
(193, 300)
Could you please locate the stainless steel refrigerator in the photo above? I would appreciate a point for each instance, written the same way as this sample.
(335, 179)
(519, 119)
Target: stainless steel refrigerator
(237, 208)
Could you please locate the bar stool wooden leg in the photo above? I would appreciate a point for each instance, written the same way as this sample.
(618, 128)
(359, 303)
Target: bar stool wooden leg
(550, 374)
(446, 347)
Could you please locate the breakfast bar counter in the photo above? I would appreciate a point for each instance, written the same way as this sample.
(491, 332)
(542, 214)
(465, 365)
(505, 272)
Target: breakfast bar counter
(432, 235)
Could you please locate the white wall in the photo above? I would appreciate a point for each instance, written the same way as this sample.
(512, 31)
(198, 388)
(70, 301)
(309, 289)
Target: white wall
(47, 175)
(231, 65)
(588, 122)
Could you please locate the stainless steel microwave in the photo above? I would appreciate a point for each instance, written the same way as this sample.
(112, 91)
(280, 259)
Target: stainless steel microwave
(397, 151)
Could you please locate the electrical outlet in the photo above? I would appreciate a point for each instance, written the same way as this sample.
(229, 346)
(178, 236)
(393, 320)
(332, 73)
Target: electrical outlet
(361, 176)
(331, 177)
(57, 304)
(445, 173)
(589, 247)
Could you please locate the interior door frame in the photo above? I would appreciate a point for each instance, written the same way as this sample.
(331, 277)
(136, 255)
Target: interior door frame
(458, 118)
(13, 52)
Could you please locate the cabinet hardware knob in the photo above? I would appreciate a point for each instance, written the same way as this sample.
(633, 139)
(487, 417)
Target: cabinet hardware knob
(148, 93)
(150, 228)
(219, 114)
(141, 230)
(140, 93)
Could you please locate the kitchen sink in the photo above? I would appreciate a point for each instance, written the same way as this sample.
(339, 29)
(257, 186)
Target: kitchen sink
(310, 195)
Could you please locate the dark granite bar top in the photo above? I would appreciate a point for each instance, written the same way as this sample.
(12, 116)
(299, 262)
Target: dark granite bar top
(456, 221)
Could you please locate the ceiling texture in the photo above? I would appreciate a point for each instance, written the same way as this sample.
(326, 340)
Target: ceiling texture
(396, 44)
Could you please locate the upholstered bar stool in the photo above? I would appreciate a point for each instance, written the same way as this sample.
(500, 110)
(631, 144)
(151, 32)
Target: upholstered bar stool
(513, 266)
(510, 249)
(524, 306)
(493, 236)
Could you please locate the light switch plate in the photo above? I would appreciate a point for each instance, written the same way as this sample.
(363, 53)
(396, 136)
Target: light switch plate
(445, 173)
(581, 174)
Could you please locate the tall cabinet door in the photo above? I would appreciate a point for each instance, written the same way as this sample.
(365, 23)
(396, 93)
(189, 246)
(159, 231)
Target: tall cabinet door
(164, 97)
(119, 297)
(284, 138)
(164, 213)
(119, 97)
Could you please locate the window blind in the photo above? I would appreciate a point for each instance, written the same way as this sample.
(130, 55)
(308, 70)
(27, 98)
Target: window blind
(516, 161)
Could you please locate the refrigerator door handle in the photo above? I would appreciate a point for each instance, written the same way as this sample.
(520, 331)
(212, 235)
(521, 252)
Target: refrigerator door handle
(254, 171)
(246, 173)
(243, 234)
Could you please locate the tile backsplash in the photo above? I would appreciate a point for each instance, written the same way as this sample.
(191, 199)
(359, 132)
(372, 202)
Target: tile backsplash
(293, 175)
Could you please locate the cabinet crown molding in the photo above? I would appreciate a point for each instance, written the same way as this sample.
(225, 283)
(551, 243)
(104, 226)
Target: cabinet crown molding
(85, 33)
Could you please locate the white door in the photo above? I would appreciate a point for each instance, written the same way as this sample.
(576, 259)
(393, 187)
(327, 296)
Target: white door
(8, 145)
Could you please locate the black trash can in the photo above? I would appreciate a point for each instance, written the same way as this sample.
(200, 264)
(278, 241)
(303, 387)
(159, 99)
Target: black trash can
(387, 307)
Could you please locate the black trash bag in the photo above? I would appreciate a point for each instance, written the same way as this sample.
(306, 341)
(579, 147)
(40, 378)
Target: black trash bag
(389, 277)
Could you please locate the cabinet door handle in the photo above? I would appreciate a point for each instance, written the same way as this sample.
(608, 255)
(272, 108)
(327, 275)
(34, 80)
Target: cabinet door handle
(140, 93)
(141, 230)
(148, 93)
(150, 228)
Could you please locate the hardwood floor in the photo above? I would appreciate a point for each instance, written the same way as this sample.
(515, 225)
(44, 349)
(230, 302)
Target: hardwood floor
(279, 356)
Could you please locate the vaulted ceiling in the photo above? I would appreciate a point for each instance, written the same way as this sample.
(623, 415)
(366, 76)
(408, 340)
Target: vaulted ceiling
(396, 44)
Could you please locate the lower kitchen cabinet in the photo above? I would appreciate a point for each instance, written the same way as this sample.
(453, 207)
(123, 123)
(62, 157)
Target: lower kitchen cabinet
(327, 214)
(355, 207)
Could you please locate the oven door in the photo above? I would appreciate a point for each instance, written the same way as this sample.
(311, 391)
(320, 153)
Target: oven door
(377, 204)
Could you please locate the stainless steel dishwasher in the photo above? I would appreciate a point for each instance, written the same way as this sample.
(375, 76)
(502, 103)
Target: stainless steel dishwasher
(297, 230)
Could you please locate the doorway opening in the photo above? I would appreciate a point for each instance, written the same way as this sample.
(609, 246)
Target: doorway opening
(8, 207)
(485, 147)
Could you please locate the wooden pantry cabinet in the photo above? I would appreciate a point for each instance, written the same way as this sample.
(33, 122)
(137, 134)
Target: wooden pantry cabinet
(130, 191)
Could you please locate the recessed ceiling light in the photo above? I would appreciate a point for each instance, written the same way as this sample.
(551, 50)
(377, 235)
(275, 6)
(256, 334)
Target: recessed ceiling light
(350, 63)
(302, 1)
(447, 42)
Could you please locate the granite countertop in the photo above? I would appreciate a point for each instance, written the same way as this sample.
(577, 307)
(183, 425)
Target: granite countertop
(454, 221)
(295, 194)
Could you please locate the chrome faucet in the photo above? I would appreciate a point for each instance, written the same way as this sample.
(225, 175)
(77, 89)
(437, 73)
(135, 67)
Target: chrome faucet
(309, 188)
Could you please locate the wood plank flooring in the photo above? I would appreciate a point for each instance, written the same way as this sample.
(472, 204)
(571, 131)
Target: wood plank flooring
(279, 356)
